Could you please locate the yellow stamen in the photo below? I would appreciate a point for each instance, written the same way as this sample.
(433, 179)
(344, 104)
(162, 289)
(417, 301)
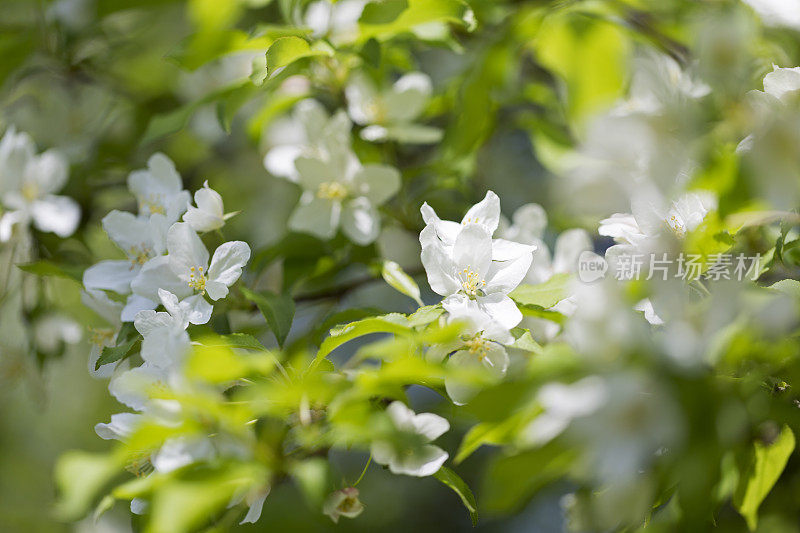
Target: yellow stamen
(471, 282)
(332, 190)
(197, 279)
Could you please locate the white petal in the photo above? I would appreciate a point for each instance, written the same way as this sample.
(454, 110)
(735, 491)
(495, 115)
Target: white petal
(120, 427)
(56, 214)
(280, 161)
(503, 277)
(200, 310)
(377, 183)
(110, 275)
(48, 171)
(131, 233)
(431, 426)
(423, 462)
(227, 263)
(408, 97)
(317, 216)
(502, 309)
(440, 270)
(569, 246)
(503, 250)
(157, 274)
(254, 510)
(133, 305)
(473, 249)
(186, 250)
(360, 221)
(782, 82)
(486, 213)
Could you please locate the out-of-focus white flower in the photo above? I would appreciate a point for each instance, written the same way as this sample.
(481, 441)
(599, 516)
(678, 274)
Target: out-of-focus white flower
(185, 270)
(133, 387)
(179, 452)
(310, 132)
(412, 456)
(27, 186)
(343, 502)
(481, 348)
(159, 189)
(470, 280)
(777, 12)
(164, 336)
(336, 21)
(390, 114)
(659, 82)
(120, 428)
(642, 231)
(529, 222)
(562, 404)
(54, 330)
(646, 307)
(345, 196)
(99, 302)
(209, 214)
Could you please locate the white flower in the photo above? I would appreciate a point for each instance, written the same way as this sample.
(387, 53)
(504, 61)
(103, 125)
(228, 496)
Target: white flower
(209, 214)
(343, 502)
(133, 387)
(185, 270)
(529, 222)
(390, 114)
(646, 307)
(108, 309)
(412, 454)
(120, 428)
(485, 213)
(480, 350)
(562, 404)
(27, 186)
(140, 238)
(470, 281)
(641, 231)
(658, 82)
(164, 336)
(159, 189)
(346, 195)
(777, 12)
(309, 133)
(338, 21)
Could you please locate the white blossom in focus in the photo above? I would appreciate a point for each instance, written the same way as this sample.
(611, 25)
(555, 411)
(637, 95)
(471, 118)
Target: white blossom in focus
(209, 215)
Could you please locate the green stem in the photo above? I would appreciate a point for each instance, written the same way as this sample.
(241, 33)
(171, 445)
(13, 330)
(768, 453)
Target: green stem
(363, 471)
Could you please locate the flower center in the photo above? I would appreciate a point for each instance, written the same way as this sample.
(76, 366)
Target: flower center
(139, 255)
(676, 226)
(479, 346)
(471, 220)
(471, 282)
(153, 205)
(332, 190)
(101, 337)
(197, 279)
(30, 191)
(139, 464)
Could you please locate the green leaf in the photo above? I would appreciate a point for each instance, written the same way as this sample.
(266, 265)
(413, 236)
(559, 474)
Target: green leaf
(399, 280)
(287, 50)
(790, 287)
(235, 340)
(313, 476)
(485, 433)
(767, 466)
(127, 342)
(80, 476)
(452, 480)
(278, 310)
(48, 268)
(544, 295)
(391, 323)
(384, 20)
